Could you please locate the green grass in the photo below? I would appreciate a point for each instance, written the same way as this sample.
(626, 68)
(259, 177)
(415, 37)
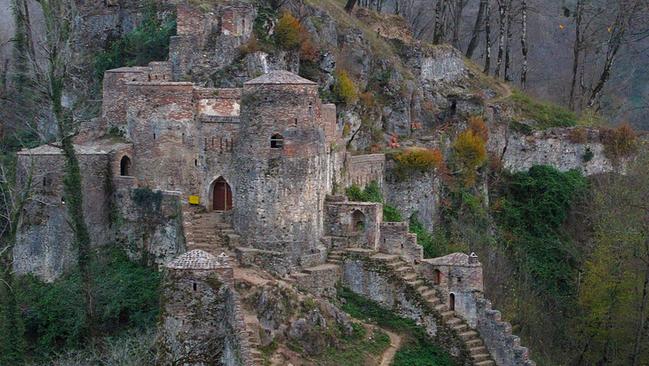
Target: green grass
(547, 115)
(417, 348)
(356, 349)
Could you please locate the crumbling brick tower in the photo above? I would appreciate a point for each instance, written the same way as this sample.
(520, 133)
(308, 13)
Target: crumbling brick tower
(280, 165)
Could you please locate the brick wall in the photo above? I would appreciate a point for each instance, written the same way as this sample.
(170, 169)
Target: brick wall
(363, 169)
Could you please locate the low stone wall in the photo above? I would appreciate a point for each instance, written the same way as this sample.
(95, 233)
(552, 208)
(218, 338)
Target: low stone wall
(504, 347)
(357, 221)
(364, 169)
(274, 262)
(396, 239)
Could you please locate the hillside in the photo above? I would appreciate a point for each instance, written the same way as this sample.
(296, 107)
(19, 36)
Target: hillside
(286, 182)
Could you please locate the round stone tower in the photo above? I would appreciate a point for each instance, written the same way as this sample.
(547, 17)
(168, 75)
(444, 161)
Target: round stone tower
(280, 165)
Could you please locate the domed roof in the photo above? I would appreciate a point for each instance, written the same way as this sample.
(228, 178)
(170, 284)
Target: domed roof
(280, 77)
(196, 259)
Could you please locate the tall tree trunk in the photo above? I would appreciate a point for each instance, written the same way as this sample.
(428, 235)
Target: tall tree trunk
(457, 21)
(438, 28)
(576, 51)
(477, 26)
(637, 345)
(502, 23)
(487, 63)
(350, 5)
(508, 42)
(524, 43)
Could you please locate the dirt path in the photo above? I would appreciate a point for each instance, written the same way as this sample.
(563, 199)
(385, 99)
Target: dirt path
(388, 355)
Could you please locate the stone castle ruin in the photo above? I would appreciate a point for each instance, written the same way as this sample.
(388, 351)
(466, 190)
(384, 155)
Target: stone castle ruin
(250, 172)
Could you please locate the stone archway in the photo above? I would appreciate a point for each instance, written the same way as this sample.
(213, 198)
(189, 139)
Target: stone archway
(125, 166)
(221, 195)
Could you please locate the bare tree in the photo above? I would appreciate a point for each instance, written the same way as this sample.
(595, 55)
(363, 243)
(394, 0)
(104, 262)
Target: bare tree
(524, 43)
(349, 6)
(477, 28)
(502, 25)
(487, 63)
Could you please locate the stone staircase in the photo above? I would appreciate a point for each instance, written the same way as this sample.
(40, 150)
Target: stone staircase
(212, 232)
(407, 274)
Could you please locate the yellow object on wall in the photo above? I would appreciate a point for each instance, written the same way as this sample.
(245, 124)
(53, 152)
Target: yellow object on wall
(194, 200)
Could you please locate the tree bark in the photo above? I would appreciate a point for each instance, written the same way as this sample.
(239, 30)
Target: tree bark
(487, 63)
(576, 51)
(350, 5)
(508, 42)
(524, 43)
(477, 26)
(438, 28)
(502, 20)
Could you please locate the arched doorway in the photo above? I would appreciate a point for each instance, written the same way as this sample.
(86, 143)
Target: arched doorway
(125, 166)
(221, 195)
(358, 222)
(437, 277)
(451, 302)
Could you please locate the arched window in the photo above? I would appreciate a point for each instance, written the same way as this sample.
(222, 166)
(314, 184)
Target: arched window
(451, 302)
(276, 141)
(358, 222)
(125, 166)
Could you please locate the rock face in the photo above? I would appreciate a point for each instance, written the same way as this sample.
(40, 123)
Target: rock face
(555, 147)
(198, 323)
(45, 242)
(418, 194)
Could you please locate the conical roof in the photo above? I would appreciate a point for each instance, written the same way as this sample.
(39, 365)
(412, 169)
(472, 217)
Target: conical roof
(279, 77)
(196, 259)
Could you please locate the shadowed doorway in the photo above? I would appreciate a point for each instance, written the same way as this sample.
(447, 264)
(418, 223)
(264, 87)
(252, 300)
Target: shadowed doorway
(221, 195)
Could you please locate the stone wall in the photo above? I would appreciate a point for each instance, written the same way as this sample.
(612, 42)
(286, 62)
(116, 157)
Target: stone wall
(358, 222)
(208, 37)
(503, 346)
(459, 275)
(418, 194)
(396, 238)
(115, 94)
(279, 185)
(375, 283)
(199, 324)
(44, 242)
(164, 135)
(364, 169)
(150, 231)
(554, 147)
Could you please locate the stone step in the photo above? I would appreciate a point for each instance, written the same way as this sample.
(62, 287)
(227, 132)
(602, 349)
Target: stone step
(415, 283)
(460, 327)
(334, 261)
(409, 277)
(429, 292)
(441, 308)
(478, 350)
(422, 289)
(486, 363)
(470, 334)
(432, 300)
(474, 343)
(480, 357)
(453, 321)
(447, 315)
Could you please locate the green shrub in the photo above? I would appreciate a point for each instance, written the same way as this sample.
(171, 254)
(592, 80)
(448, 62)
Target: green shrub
(125, 297)
(424, 238)
(287, 32)
(547, 115)
(345, 88)
(417, 160)
(147, 199)
(148, 42)
(469, 154)
(530, 213)
(371, 193)
(391, 214)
